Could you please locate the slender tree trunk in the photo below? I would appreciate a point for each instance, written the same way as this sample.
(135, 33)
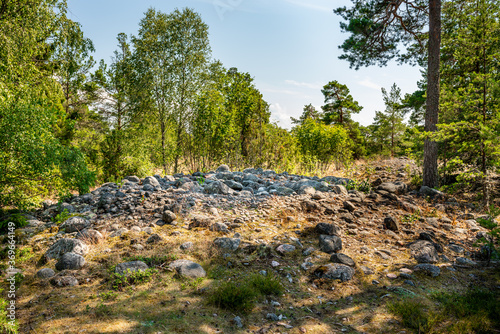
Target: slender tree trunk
(164, 160)
(430, 175)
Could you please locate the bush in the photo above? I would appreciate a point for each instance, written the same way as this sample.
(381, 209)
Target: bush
(413, 314)
(266, 285)
(234, 296)
(18, 219)
(131, 278)
(6, 326)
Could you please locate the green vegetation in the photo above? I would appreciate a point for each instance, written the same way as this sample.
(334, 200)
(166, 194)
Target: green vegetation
(6, 326)
(120, 281)
(414, 314)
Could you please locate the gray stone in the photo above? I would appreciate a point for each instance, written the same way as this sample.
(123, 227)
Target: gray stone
(222, 169)
(456, 248)
(429, 269)
(218, 187)
(234, 185)
(349, 206)
(75, 224)
(66, 207)
(391, 223)
(90, 236)
(168, 217)
(335, 271)
(308, 251)
(152, 181)
(200, 221)
(342, 259)
(285, 248)
(272, 317)
(464, 261)
(70, 261)
(133, 178)
(65, 245)
(219, 227)
(118, 232)
(125, 268)
(188, 268)
(227, 243)
(154, 239)
(366, 270)
(330, 243)
(426, 191)
(192, 187)
(339, 189)
(63, 281)
(45, 273)
(237, 322)
(424, 251)
(328, 229)
(186, 245)
(393, 187)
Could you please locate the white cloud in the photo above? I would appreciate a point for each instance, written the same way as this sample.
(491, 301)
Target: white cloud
(281, 115)
(303, 84)
(370, 84)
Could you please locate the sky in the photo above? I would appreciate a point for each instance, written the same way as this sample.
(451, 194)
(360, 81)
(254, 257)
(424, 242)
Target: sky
(289, 47)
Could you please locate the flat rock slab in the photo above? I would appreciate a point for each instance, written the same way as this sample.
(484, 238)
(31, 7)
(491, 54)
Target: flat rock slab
(63, 281)
(429, 269)
(70, 261)
(285, 248)
(75, 224)
(335, 271)
(342, 259)
(188, 268)
(227, 243)
(125, 268)
(328, 229)
(65, 245)
(45, 273)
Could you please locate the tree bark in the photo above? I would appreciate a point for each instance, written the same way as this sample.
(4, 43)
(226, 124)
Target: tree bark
(430, 173)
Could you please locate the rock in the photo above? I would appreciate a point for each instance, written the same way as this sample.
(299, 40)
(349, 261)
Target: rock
(234, 185)
(65, 245)
(74, 224)
(390, 223)
(70, 261)
(219, 227)
(308, 251)
(328, 229)
(285, 248)
(429, 269)
(222, 169)
(227, 243)
(125, 268)
(186, 245)
(426, 191)
(272, 317)
(382, 255)
(133, 179)
(349, 206)
(237, 322)
(152, 181)
(45, 273)
(330, 243)
(464, 261)
(168, 217)
(66, 207)
(366, 270)
(63, 281)
(118, 232)
(339, 189)
(135, 229)
(90, 236)
(154, 239)
(309, 206)
(192, 187)
(393, 187)
(424, 251)
(456, 248)
(218, 187)
(342, 259)
(335, 271)
(200, 221)
(186, 268)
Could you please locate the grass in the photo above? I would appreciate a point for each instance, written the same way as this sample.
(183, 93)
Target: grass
(414, 314)
(120, 281)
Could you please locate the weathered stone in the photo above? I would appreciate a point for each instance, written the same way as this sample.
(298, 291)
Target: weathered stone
(45, 273)
(328, 229)
(218, 187)
(200, 221)
(339, 189)
(154, 239)
(227, 243)
(464, 261)
(285, 248)
(70, 261)
(349, 206)
(65, 245)
(125, 268)
(310, 206)
(90, 236)
(222, 169)
(426, 191)
(188, 268)
(75, 224)
(330, 243)
(168, 217)
(424, 251)
(152, 181)
(133, 178)
(342, 259)
(219, 227)
(393, 187)
(429, 269)
(186, 245)
(391, 223)
(335, 271)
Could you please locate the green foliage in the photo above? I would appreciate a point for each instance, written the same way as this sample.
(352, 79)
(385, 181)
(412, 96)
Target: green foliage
(192, 283)
(266, 285)
(18, 219)
(339, 104)
(363, 186)
(235, 296)
(413, 314)
(153, 261)
(110, 295)
(120, 281)
(6, 326)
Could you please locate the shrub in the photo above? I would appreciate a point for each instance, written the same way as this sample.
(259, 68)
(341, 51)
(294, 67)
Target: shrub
(413, 314)
(234, 296)
(18, 219)
(6, 326)
(266, 285)
(132, 277)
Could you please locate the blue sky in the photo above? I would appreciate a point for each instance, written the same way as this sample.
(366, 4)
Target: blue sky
(290, 47)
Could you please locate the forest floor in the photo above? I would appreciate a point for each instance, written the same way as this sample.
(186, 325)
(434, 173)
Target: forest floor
(260, 285)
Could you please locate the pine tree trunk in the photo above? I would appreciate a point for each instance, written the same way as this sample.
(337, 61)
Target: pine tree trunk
(430, 174)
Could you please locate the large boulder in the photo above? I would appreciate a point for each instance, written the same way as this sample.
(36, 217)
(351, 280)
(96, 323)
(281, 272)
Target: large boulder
(152, 181)
(90, 236)
(328, 229)
(65, 245)
(75, 224)
(397, 187)
(218, 187)
(227, 243)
